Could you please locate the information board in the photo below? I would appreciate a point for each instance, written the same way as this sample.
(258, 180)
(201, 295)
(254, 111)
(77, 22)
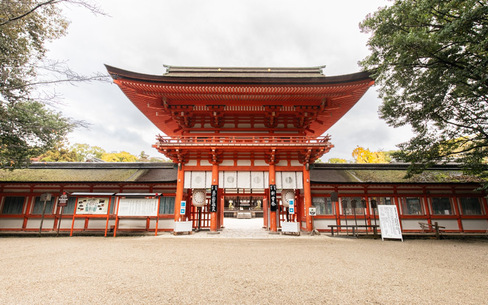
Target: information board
(138, 207)
(291, 206)
(389, 222)
(98, 206)
(312, 211)
(183, 207)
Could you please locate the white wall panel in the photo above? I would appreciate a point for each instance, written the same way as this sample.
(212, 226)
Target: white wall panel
(244, 180)
(279, 185)
(411, 224)
(208, 177)
(187, 182)
(198, 180)
(289, 180)
(13, 223)
(94, 223)
(191, 163)
(450, 224)
(299, 180)
(322, 224)
(475, 224)
(227, 163)
(266, 180)
(257, 180)
(221, 179)
(132, 223)
(230, 180)
(243, 162)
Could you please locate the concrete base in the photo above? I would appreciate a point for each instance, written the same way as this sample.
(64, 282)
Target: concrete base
(211, 232)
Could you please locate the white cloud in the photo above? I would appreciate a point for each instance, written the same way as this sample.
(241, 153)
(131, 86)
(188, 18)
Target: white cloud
(143, 35)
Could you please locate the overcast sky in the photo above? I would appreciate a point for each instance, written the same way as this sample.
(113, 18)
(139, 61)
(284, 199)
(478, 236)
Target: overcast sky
(141, 36)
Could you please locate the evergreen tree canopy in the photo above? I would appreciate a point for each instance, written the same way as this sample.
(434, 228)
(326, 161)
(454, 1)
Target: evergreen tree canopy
(28, 127)
(430, 60)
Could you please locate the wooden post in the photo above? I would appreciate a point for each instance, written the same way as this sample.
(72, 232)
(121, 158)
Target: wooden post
(179, 191)
(436, 227)
(307, 196)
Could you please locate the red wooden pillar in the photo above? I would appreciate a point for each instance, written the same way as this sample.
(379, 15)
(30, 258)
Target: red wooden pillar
(307, 197)
(272, 214)
(179, 191)
(215, 182)
(427, 205)
(221, 211)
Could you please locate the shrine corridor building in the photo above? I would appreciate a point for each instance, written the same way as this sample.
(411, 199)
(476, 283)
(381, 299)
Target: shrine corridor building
(243, 142)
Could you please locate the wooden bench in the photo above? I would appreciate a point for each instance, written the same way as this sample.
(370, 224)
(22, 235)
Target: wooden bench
(354, 229)
(428, 227)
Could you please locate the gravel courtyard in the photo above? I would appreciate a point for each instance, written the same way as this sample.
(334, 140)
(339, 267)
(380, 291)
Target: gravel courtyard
(293, 270)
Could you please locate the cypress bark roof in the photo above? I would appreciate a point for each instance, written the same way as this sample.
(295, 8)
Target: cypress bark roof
(167, 173)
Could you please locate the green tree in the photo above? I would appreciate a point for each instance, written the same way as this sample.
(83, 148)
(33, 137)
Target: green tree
(430, 60)
(28, 127)
(85, 152)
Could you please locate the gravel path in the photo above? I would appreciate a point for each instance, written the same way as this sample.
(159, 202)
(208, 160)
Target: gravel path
(293, 270)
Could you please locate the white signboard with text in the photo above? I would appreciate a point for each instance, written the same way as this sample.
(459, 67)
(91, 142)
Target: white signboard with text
(389, 222)
(138, 207)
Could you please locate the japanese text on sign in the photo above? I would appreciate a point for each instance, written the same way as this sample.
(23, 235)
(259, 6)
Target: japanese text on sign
(272, 197)
(213, 198)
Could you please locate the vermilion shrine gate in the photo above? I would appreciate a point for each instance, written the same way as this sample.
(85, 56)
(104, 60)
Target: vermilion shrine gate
(243, 133)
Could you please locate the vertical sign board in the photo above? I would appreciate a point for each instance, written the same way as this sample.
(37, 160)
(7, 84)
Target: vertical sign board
(291, 208)
(389, 222)
(213, 198)
(272, 197)
(183, 208)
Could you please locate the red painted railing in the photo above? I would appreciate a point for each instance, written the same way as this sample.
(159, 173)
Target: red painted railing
(243, 141)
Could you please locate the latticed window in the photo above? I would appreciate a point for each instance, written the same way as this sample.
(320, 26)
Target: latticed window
(167, 205)
(38, 206)
(13, 205)
(379, 201)
(353, 206)
(71, 204)
(471, 206)
(323, 205)
(412, 206)
(441, 206)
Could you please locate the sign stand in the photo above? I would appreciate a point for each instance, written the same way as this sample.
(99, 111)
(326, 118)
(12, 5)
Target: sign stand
(389, 222)
(312, 211)
(44, 197)
(62, 202)
(183, 226)
(290, 226)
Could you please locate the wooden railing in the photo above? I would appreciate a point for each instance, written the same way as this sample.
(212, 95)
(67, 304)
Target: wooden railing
(243, 141)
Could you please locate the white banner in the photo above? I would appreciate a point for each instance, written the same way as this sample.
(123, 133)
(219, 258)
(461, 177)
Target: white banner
(389, 222)
(138, 207)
